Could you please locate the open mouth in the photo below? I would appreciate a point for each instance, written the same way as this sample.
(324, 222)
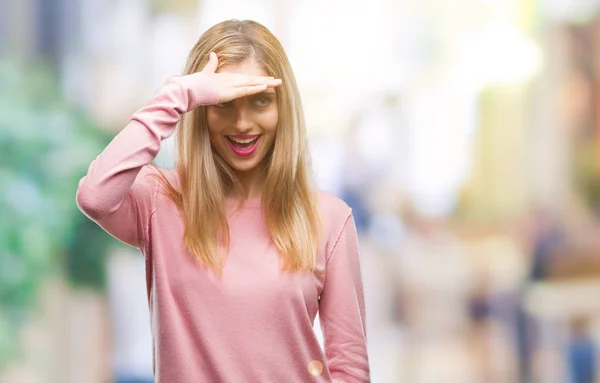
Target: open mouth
(243, 145)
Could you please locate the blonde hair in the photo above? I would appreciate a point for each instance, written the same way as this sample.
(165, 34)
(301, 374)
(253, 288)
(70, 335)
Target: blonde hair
(288, 199)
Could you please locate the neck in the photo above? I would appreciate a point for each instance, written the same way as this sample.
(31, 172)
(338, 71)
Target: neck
(252, 182)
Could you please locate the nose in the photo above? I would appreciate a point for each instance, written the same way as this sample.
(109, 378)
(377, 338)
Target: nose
(243, 121)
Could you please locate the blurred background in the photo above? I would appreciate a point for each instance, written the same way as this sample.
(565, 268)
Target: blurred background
(465, 135)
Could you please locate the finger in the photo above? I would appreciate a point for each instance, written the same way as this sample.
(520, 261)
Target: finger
(269, 81)
(261, 81)
(249, 90)
(212, 65)
(274, 82)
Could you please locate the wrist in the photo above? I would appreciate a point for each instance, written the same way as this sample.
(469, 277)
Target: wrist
(197, 88)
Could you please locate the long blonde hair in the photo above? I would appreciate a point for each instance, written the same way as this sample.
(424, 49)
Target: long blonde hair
(288, 201)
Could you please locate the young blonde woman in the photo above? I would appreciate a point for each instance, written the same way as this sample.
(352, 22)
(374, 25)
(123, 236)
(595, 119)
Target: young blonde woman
(241, 252)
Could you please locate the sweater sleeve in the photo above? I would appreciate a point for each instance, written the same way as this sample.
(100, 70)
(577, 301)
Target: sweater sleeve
(117, 192)
(342, 311)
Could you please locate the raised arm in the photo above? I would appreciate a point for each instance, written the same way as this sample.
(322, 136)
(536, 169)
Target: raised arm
(116, 192)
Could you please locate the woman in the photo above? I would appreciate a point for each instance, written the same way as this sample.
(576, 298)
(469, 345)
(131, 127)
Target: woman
(240, 251)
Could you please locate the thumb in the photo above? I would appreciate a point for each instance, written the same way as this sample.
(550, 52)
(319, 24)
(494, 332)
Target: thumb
(213, 63)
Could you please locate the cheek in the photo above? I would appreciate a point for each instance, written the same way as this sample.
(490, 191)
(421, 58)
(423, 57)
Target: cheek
(215, 122)
(270, 120)
(270, 128)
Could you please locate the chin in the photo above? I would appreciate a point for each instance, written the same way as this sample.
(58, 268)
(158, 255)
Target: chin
(243, 166)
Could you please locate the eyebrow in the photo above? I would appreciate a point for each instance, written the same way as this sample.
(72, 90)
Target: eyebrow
(268, 92)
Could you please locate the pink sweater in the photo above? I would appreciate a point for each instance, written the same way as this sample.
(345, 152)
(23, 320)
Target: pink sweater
(255, 324)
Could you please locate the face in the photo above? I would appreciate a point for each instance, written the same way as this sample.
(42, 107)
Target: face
(242, 131)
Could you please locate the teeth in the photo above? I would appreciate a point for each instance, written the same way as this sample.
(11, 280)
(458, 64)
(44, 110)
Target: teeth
(246, 141)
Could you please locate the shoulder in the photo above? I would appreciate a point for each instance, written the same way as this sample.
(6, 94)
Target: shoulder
(335, 213)
(150, 174)
(331, 206)
(151, 179)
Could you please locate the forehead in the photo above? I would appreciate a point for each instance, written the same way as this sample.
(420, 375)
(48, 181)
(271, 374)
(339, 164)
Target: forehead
(247, 67)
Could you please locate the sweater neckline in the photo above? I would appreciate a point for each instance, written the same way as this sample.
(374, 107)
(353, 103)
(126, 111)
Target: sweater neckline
(249, 202)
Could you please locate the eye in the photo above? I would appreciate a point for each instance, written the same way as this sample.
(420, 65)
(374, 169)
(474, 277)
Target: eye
(263, 101)
(223, 104)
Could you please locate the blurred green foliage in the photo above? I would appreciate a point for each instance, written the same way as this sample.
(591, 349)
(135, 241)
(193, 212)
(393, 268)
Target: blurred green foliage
(46, 146)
